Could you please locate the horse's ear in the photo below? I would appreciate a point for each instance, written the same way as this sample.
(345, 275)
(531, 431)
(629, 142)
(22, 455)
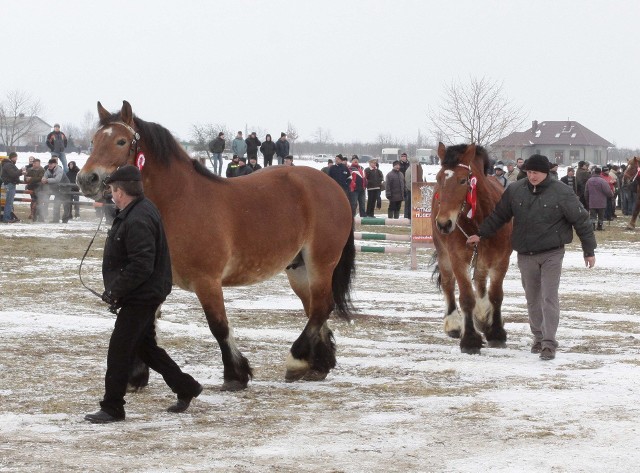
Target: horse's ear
(441, 151)
(468, 155)
(103, 113)
(126, 114)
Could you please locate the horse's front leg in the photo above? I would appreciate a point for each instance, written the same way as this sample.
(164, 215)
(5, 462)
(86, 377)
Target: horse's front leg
(495, 332)
(471, 340)
(237, 371)
(452, 319)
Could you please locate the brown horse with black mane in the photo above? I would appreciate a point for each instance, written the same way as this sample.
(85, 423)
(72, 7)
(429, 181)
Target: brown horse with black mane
(631, 178)
(463, 197)
(233, 232)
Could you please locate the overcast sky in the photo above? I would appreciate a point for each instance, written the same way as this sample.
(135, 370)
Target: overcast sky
(356, 68)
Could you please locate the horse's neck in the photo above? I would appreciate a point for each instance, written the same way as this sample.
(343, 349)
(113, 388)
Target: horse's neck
(164, 185)
(484, 205)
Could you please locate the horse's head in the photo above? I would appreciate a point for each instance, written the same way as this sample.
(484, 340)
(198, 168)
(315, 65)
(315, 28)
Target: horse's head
(453, 184)
(631, 172)
(114, 144)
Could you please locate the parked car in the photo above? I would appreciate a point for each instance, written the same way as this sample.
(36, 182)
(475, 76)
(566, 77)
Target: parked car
(321, 158)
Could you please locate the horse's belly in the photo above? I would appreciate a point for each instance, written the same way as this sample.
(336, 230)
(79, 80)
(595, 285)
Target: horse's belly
(244, 273)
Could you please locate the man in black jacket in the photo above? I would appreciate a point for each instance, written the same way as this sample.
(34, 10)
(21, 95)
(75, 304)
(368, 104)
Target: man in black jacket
(217, 148)
(253, 143)
(136, 269)
(10, 177)
(544, 212)
(340, 173)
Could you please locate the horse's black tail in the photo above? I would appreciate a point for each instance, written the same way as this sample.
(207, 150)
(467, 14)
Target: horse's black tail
(435, 275)
(342, 277)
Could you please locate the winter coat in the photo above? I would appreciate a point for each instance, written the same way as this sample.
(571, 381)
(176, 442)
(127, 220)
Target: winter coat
(217, 146)
(254, 167)
(56, 180)
(597, 191)
(570, 181)
(544, 217)
(282, 148)
(404, 165)
(136, 266)
(232, 169)
(243, 171)
(341, 174)
(358, 179)
(268, 149)
(35, 176)
(252, 145)
(582, 176)
(394, 187)
(374, 178)
(56, 141)
(10, 172)
(238, 147)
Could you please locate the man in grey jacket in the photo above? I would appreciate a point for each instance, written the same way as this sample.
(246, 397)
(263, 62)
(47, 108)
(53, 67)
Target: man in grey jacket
(55, 181)
(544, 212)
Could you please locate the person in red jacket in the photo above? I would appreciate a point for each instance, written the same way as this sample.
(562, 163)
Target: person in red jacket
(357, 187)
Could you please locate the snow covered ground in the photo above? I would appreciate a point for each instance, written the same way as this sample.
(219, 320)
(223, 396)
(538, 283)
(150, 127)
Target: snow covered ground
(402, 398)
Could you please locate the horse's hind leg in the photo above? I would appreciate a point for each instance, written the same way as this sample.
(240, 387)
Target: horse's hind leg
(237, 371)
(312, 355)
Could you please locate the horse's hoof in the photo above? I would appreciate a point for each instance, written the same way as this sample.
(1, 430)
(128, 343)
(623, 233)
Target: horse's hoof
(496, 344)
(314, 375)
(470, 350)
(233, 386)
(453, 333)
(294, 375)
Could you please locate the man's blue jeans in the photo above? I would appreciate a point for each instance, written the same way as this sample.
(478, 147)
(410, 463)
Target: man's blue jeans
(8, 203)
(216, 162)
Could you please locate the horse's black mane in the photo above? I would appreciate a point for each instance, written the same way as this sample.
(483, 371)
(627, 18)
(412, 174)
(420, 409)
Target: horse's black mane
(453, 153)
(162, 145)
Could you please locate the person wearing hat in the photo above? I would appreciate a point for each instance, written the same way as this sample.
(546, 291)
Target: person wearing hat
(544, 212)
(582, 176)
(232, 167)
(253, 143)
(340, 173)
(56, 184)
(499, 175)
(136, 270)
(282, 148)
(216, 147)
(327, 167)
(597, 193)
(253, 163)
(268, 149)
(512, 171)
(10, 178)
(357, 188)
(394, 190)
(288, 160)
(57, 143)
(242, 169)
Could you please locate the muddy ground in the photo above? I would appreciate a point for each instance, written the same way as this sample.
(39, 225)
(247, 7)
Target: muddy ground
(402, 398)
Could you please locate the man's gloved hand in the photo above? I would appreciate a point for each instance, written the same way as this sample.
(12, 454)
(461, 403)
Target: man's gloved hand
(106, 296)
(113, 304)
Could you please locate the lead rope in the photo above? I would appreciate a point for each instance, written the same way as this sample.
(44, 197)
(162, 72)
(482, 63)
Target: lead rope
(84, 256)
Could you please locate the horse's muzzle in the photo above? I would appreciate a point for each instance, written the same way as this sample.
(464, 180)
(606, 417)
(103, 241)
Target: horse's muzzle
(90, 184)
(445, 226)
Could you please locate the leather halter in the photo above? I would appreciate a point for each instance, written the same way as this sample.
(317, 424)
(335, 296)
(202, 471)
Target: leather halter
(135, 135)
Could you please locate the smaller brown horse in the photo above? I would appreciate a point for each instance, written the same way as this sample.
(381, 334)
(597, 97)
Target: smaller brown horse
(463, 197)
(632, 180)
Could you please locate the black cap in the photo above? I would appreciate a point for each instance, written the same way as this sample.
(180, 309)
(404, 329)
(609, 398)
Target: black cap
(539, 163)
(125, 173)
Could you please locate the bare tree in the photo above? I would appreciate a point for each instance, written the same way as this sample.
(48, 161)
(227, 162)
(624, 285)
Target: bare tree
(203, 134)
(476, 112)
(322, 136)
(292, 132)
(18, 114)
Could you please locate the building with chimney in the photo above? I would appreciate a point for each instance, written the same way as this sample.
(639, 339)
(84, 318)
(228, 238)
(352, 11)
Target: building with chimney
(563, 142)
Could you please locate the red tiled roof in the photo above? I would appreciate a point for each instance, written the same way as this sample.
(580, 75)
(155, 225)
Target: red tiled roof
(567, 133)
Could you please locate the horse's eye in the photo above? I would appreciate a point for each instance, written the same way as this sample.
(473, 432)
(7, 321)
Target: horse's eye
(463, 180)
(122, 142)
